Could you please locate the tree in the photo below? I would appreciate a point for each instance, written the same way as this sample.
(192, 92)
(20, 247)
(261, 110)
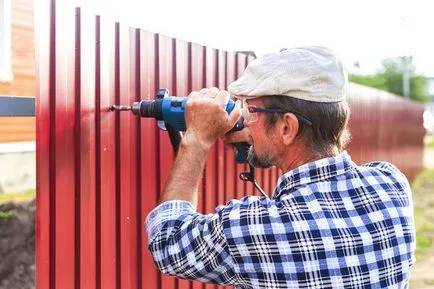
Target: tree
(389, 78)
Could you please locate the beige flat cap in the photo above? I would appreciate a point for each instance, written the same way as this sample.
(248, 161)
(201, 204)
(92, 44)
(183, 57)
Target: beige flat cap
(310, 73)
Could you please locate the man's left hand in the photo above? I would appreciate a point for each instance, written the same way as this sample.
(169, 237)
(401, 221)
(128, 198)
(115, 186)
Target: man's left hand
(206, 117)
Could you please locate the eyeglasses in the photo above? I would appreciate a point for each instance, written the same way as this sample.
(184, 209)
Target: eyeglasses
(250, 113)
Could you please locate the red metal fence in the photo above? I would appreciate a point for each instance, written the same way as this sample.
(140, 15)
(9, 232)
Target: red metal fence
(386, 127)
(99, 173)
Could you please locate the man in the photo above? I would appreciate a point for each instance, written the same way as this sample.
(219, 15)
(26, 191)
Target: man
(329, 223)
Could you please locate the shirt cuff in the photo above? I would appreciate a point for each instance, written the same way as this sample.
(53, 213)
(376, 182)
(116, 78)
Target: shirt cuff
(168, 210)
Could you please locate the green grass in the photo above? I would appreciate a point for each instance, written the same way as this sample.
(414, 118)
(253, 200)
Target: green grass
(422, 188)
(424, 232)
(423, 181)
(6, 214)
(429, 141)
(17, 197)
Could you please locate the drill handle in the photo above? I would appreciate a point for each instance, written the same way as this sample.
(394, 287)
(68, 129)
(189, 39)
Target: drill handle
(242, 152)
(242, 148)
(175, 138)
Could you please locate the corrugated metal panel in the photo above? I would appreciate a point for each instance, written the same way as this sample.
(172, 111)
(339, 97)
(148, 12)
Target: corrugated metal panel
(385, 127)
(100, 173)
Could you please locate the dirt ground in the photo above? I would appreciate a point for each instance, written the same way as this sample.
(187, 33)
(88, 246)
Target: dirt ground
(17, 246)
(422, 274)
(17, 240)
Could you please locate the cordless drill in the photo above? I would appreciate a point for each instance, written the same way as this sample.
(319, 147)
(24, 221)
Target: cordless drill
(169, 113)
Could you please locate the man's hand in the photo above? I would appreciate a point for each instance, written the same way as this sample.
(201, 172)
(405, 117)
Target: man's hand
(206, 117)
(206, 120)
(237, 137)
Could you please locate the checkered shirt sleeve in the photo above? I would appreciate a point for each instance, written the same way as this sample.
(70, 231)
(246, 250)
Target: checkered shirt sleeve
(189, 245)
(330, 224)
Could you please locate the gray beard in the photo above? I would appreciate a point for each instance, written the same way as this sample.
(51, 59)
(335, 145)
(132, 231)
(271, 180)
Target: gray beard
(256, 161)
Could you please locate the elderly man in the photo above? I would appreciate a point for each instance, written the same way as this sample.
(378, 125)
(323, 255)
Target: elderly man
(329, 224)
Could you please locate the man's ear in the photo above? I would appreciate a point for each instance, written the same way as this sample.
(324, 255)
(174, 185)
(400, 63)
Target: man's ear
(289, 128)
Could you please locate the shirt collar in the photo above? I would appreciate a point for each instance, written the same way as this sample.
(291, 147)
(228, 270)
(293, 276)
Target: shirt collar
(314, 172)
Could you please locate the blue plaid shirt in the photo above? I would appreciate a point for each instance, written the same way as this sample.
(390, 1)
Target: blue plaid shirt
(330, 224)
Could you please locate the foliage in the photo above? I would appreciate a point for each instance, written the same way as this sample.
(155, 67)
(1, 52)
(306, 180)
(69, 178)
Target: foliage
(389, 78)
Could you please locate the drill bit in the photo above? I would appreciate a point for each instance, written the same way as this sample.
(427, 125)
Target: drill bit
(120, 107)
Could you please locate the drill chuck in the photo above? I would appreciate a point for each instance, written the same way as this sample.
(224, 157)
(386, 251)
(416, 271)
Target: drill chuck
(148, 108)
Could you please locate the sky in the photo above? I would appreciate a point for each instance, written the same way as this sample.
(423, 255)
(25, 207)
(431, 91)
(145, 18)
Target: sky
(365, 31)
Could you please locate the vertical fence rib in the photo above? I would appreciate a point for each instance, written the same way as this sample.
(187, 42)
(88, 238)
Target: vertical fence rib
(97, 91)
(138, 158)
(118, 158)
(77, 147)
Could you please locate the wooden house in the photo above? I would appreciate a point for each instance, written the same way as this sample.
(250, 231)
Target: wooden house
(17, 65)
